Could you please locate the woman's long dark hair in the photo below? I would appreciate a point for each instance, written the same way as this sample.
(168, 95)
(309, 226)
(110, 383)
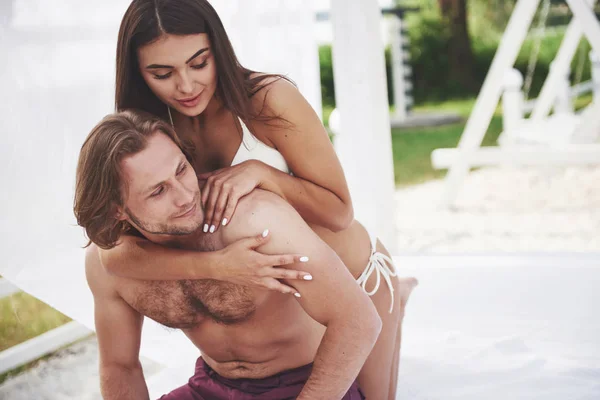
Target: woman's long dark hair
(147, 20)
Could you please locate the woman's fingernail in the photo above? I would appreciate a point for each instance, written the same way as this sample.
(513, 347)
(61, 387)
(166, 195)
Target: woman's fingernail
(205, 229)
(308, 277)
(297, 295)
(265, 233)
(225, 221)
(212, 229)
(304, 259)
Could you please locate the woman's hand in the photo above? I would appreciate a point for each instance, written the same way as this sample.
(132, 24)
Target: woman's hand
(244, 265)
(224, 188)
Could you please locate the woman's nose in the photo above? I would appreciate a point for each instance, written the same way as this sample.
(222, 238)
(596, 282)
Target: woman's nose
(184, 85)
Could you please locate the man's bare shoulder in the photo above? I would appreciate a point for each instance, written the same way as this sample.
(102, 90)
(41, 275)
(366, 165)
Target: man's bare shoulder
(258, 211)
(99, 280)
(261, 199)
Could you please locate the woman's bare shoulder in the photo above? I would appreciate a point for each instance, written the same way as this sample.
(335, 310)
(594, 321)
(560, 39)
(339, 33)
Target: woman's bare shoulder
(275, 95)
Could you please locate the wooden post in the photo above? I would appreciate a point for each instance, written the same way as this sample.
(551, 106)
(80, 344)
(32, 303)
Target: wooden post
(364, 142)
(513, 102)
(563, 102)
(595, 59)
(398, 70)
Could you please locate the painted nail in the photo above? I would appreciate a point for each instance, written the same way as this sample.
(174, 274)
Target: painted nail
(212, 229)
(304, 259)
(307, 277)
(265, 233)
(225, 220)
(205, 229)
(297, 295)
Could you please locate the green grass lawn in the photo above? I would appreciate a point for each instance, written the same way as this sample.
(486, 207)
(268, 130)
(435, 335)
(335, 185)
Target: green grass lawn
(412, 147)
(24, 317)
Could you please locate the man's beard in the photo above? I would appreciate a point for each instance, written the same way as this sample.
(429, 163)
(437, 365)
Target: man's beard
(164, 229)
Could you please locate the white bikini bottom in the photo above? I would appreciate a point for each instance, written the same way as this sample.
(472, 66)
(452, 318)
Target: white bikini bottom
(382, 265)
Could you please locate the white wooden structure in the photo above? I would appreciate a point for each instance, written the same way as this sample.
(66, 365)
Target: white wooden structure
(364, 145)
(469, 154)
(401, 69)
(560, 129)
(397, 38)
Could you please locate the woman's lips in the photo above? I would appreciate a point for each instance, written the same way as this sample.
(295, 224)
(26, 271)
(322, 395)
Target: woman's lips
(191, 102)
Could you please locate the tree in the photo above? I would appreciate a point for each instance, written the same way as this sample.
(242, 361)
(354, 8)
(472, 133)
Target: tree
(459, 51)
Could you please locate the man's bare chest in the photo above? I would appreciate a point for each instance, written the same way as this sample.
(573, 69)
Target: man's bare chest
(185, 304)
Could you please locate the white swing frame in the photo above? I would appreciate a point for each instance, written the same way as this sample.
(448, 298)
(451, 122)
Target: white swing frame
(469, 152)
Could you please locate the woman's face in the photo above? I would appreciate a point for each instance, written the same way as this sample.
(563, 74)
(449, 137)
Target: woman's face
(181, 71)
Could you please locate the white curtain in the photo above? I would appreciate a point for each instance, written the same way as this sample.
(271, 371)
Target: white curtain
(57, 82)
(276, 36)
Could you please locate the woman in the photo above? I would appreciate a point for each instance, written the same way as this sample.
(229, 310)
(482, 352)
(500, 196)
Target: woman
(248, 130)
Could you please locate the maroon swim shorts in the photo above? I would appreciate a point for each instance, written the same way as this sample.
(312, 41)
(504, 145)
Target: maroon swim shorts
(206, 384)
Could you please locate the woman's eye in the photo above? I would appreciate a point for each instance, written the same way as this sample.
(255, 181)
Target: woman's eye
(165, 76)
(200, 66)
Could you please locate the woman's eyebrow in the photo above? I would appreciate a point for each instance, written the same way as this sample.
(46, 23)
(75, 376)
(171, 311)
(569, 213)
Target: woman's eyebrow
(160, 66)
(196, 54)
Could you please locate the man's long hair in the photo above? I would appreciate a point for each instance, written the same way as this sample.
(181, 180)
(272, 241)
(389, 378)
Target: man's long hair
(100, 187)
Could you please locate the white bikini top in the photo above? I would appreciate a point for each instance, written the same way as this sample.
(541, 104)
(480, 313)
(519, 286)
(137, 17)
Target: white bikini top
(253, 149)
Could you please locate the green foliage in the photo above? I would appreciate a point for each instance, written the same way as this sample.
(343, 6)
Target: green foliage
(327, 88)
(429, 38)
(412, 147)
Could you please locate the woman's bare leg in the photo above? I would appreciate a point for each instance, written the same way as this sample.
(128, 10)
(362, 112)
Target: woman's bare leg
(395, 364)
(378, 377)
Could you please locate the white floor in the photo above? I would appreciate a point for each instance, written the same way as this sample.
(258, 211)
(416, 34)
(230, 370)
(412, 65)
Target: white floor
(499, 332)
(477, 327)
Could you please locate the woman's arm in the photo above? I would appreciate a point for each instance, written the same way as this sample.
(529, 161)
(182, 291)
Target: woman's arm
(139, 258)
(318, 189)
(238, 263)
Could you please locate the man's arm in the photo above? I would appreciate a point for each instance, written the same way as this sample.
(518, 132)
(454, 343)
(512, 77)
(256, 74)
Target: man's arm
(119, 329)
(333, 298)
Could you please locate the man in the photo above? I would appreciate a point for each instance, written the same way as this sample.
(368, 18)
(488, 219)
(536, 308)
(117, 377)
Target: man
(133, 176)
